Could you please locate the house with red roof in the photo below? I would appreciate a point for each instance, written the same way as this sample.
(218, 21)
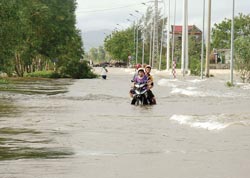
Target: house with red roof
(192, 30)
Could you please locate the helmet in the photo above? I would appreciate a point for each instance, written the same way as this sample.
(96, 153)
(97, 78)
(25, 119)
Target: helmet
(137, 66)
(141, 69)
(148, 66)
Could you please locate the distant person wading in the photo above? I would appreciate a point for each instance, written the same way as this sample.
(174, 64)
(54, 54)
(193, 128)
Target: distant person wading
(104, 72)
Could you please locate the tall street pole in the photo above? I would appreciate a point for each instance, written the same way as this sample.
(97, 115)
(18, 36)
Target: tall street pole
(143, 43)
(232, 46)
(168, 38)
(135, 37)
(142, 37)
(136, 56)
(208, 38)
(173, 32)
(202, 43)
(184, 38)
(155, 37)
(186, 50)
(162, 33)
(150, 46)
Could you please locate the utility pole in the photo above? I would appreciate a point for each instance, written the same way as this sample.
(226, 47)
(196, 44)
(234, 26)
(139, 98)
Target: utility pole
(186, 55)
(168, 38)
(232, 46)
(184, 59)
(162, 33)
(135, 38)
(208, 38)
(173, 32)
(150, 46)
(143, 43)
(141, 30)
(136, 55)
(202, 43)
(155, 37)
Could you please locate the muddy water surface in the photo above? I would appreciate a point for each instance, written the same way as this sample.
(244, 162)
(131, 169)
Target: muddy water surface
(87, 128)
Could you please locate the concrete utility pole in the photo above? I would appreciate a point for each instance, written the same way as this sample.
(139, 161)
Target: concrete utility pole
(173, 32)
(186, 55)
(232, 46)
(208, 38)
(168, 38)
(137, 33)
(155, 37)
(143, 46)
(202, 43)
(142, 36)
(150, 46)
(135, 37)
(162, 33)
(184, 59)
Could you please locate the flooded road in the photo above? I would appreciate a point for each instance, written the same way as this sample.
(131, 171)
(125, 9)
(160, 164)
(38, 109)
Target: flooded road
(87, 128)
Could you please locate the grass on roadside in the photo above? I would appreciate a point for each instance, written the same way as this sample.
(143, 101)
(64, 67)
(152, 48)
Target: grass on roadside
(43, 74)
(229, 84)
(4, 81)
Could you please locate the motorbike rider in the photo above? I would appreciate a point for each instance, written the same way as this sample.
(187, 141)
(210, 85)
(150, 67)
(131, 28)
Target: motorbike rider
(140, 78)
(150, 83)
(137, 66)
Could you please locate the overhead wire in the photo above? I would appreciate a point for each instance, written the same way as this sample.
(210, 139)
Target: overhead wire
(107, 9)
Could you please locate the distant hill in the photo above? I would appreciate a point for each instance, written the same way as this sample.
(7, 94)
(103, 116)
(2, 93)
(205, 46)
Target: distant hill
(94, 38)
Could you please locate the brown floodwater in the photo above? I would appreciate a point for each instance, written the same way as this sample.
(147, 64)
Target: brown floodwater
(87, 128)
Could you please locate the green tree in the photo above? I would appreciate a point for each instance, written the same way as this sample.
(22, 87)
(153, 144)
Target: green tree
(243, 57)
(101, 54)
(221, 38)
(34, 34)
(194, 43)
(120, 45)
(8, 19)
(221, 33)
(93, 54)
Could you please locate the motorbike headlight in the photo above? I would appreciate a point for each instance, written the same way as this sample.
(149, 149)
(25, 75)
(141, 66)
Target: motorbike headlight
(137, 85)
(137, 92)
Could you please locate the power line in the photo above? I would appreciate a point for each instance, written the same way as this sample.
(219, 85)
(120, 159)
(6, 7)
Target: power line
(108, 9)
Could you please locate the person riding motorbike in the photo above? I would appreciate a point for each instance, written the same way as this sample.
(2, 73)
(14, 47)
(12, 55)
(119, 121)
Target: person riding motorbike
(139, 77)
(139, 91)
(137, 66)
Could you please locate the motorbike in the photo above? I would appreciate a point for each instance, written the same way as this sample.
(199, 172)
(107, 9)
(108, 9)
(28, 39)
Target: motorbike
(141, 95)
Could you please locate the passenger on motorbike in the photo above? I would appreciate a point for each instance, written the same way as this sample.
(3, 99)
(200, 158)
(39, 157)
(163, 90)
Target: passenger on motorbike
(150, 83)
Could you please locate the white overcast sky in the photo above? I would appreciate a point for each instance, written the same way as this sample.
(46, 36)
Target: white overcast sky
(94, 15)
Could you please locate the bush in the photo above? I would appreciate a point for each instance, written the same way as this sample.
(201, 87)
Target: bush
(195, 67)
(78, 70)
(229, 84)
(73, 69)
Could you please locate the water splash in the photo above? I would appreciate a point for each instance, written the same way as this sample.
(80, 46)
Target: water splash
(211, 122)
(187, 92)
